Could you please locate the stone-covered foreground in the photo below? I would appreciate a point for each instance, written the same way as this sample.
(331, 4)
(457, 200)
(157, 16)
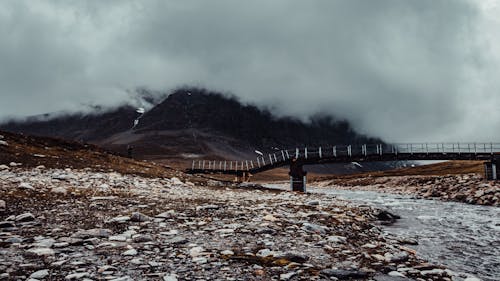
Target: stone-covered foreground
(83, 225)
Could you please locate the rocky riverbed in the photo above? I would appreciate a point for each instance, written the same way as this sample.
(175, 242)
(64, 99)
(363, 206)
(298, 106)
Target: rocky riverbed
(83, 225)
(469, 188)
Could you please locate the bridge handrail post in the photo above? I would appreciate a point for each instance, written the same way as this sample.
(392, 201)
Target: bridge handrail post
(270, 159)
(321, 156)
(475, 148)
(251, 163)
(192, 167)
(305, 152)
(258, 162)
(224, 165)
(287, 155)
(349, 152)
(458, 147)
(275, 159)
(203, 165)
(297, 153)
(491, 148)
(283, 155)
(334, 148)
(246, 162)
(381, 150)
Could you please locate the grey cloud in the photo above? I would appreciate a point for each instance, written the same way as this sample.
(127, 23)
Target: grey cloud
(401, 70)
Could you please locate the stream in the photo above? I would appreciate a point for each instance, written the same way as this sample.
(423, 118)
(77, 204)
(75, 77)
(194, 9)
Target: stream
(465, 238)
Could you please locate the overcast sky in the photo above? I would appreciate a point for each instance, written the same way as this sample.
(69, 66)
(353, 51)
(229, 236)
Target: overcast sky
(403, 70)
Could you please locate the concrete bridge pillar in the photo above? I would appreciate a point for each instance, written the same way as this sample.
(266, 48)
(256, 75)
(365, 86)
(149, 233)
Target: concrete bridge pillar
(491, 170)
(298, 177)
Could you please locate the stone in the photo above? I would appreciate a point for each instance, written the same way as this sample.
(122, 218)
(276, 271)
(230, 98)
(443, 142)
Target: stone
(227, 253)
(119, 238)
(269, 218)
(336, 239)
(369, 246)
(76, 276)
(176, 181)
(3, 205)
(59, 190)
(313, 203)
(293, 257)
(4, 143)
(170, 277)
(25, 217)
(435, 271)
(200, 260)
(314, 228)
(343, 274)
(196, 251)
(123, 278)
(166, 215)
(106, 268)
(120, 219)
(287, 276)
(40, 274)
(139, 217)
(41, 252)
(383, 277)
(140, 238)
(396, 274)
(399, 257)
(4, 167)
(25, 185)
(13, 240)
(131, 252)
(6, 224)
(94, 232)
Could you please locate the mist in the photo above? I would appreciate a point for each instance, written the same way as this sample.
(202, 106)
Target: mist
(401, 70)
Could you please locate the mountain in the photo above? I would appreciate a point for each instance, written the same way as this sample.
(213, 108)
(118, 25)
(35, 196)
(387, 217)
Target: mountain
(192, 123)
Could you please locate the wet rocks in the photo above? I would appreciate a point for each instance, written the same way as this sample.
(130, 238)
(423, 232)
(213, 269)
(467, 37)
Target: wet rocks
(469, 188)
(3, 205)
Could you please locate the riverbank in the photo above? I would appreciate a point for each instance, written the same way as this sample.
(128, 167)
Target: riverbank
(468, 188)
(78, 224)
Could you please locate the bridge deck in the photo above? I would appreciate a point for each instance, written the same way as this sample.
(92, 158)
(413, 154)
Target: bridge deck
(352, 153)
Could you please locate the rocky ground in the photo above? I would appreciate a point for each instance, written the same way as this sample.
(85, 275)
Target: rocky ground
(469, 188)
(68, 224)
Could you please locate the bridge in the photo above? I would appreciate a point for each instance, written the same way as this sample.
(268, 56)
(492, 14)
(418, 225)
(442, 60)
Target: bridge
(354, 153)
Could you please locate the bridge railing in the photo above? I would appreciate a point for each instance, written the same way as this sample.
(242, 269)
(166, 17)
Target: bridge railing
(279, 157)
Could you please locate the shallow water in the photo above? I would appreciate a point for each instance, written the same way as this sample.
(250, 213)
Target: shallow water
(464, 238)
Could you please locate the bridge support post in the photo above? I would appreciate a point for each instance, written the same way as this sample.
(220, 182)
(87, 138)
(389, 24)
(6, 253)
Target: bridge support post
(491, 170)
(297, 177)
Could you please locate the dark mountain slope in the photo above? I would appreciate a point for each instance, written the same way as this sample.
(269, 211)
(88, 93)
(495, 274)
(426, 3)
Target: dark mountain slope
(201, 109)
(192, 123)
